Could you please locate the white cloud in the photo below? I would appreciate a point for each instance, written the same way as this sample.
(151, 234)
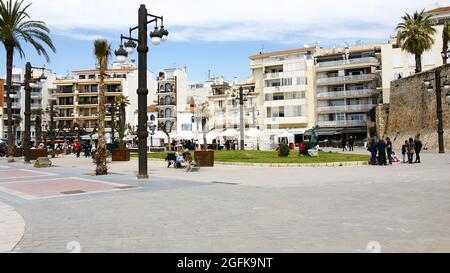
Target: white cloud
(231, 20)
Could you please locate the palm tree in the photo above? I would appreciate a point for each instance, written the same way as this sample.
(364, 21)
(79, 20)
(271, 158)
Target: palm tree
(204, 114)
(415, 35)
(446, 40)
(122, 102)
(102, 51)
(16, 27)
(16, 123)
(37, 113)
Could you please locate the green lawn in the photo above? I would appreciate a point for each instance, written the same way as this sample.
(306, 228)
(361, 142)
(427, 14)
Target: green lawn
(272, 157)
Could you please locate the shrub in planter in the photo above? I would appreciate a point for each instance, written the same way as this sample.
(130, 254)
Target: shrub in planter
(284, 150)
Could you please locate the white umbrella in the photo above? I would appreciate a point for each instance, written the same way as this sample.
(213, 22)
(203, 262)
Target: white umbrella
(159, 135)
(286, 135)
(186, 135)
(230, 133)
(253, 132)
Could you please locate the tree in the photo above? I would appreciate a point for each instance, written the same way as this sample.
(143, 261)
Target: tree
(204, 114)
(16, 123)
(16, 27)
(37, 113)
(415, 35)
(102, 51)
(122, 102)
(166, 129)
(446, 40)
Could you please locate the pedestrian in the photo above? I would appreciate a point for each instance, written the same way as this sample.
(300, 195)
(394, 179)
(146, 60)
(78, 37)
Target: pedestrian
(373, 148)
(382, 152)
(351, 144)
(418, 148)
(389, 150)
(344, 144)
(77, 149)
(405, 151)
(411, 150)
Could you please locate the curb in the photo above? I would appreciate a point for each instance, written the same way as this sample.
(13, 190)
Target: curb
(280, 165)
(12, 226)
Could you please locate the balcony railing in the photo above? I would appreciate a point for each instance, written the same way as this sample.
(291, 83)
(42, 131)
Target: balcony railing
(341, 79)
(345, 108)
(36, 95)
(36, 106)
(342, 123)
(347, 93)
(350, 62)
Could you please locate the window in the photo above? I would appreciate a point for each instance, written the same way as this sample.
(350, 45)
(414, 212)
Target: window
(340, 117)
(152, 118)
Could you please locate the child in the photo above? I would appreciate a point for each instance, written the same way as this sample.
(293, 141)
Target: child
(405, 151)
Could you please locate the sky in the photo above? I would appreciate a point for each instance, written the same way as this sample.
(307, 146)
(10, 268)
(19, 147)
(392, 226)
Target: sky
(215, 35)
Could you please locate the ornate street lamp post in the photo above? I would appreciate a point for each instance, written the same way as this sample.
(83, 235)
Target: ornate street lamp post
(241, 99)
(438, 90)
(157, 36)
(28, 81)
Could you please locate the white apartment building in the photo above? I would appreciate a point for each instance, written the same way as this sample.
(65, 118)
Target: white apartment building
(172, 102)
(41, 93)
(76, 95)
(397, 63)
(347, 80)
(285, 83)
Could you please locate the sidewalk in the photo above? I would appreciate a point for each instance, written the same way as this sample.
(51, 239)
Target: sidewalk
(12, 227)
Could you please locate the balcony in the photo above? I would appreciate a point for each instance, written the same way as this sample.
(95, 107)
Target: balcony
(285, 120)
(285, 102)
(36, 95)
(345, 79)
(358, 61)
(346, 108)
(279, 75)
(278, 89)
(36, 106)
(347, 94)
(343, 123)
(14, 96)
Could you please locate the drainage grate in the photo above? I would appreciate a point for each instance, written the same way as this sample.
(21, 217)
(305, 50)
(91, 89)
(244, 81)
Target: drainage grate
(225, 183)
(72, 192)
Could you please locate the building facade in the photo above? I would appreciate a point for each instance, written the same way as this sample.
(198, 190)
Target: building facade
(77, 96)
(285, 83)
(347, 80)
(41, 93)
(172, 98)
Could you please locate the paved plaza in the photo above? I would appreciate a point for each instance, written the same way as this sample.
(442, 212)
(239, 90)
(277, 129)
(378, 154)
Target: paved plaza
(405, 208)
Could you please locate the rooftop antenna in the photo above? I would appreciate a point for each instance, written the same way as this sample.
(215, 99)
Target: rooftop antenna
(262, 49)
(209, 74)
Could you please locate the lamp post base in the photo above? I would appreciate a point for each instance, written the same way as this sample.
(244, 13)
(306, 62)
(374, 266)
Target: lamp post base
(143, 177)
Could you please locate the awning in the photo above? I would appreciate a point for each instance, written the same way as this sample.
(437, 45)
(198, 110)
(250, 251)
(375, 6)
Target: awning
(325, 132)
(355, 130)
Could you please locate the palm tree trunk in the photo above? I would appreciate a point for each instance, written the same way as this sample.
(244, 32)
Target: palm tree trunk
(101, 149)
(9, 67)
(38, 131)
(205, 141)
(418, 62)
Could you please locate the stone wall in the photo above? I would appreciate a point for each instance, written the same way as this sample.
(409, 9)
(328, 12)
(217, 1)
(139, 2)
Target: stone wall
(412, 111)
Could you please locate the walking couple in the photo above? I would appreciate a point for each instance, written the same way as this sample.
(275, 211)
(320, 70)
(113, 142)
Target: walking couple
(410, 148)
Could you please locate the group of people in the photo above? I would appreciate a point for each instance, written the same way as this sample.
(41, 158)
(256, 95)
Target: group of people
(351, 144)
(382, 154)
(410, 148)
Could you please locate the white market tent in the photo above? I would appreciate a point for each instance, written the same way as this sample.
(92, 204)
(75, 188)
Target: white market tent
(230, 133)
(252, 133)
(186, 135)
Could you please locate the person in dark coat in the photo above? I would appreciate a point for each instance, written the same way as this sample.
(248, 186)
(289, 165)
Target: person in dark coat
(418, 148)
(344, 144)
(373, 148)
(389, 150)
(405, 151)
(411, 150)
(382, 152)
(351, 144)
